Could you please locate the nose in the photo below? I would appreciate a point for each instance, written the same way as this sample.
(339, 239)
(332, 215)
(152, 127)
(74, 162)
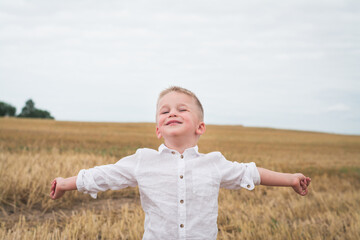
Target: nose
(172, 113)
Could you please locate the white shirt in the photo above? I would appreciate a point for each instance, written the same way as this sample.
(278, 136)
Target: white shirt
(178, 192)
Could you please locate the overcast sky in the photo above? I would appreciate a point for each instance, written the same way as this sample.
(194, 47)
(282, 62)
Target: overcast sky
(281, 64)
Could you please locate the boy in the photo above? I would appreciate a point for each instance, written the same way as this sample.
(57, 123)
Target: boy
(178, 186)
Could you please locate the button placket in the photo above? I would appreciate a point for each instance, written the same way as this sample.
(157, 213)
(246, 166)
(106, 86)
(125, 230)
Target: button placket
(181, 196)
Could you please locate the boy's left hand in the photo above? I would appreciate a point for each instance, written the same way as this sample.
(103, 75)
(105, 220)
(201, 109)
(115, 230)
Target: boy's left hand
(56, 191)
(301, 183)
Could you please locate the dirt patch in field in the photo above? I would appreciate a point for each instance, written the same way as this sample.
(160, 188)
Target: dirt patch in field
(8, 217)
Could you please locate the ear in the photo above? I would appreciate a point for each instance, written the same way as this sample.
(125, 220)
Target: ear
(200, 129)
(158, 133)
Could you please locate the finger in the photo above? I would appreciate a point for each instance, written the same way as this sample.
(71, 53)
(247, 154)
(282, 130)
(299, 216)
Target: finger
(302, 183)
(306, 182)
(304, 192)
(301, 192)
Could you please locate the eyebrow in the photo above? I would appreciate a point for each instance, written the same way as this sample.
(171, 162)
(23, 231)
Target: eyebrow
(182, 105)
(163, 106)
(167, 105)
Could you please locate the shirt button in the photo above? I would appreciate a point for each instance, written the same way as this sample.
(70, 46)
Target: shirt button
(181, 225)
(181, 201)
(182, 156)
(173, 152)
(181, 176)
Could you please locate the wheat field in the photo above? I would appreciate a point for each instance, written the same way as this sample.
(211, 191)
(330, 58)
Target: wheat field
(34, 152)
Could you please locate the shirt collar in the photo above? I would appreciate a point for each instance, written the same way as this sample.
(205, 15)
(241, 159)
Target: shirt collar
(192, 150)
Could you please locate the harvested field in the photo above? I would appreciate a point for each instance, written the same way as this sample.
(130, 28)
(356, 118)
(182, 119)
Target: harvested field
(33, 152)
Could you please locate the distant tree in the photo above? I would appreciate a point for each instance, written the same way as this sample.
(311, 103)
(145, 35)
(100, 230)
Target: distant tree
(29, 111)
(7, 110)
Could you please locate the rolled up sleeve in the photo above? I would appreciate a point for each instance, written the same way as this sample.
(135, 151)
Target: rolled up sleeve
(251, 176)
(236, 175)
(113, 176)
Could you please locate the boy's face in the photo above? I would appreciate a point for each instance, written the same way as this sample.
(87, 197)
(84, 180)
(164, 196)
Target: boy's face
(178, 115)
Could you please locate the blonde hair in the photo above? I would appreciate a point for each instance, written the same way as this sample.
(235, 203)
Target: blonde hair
(184, 91)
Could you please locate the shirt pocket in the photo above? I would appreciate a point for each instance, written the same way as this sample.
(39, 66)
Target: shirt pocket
(204, 184)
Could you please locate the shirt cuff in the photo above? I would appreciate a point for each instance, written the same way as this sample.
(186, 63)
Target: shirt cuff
(251, 178)
(80, 185)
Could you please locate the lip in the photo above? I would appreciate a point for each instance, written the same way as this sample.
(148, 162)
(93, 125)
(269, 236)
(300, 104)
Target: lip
(173, 122)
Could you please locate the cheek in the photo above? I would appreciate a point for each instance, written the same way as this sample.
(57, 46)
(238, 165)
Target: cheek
(160, 120)
(190, 120)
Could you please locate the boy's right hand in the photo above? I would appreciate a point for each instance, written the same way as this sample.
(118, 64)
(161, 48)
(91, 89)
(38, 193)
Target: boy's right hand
(56, 191)
(300, 183)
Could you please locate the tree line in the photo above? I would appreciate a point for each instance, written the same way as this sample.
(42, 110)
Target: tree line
(28, 111)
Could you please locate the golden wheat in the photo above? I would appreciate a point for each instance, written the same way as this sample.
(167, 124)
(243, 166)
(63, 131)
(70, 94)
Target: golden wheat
(33, 152)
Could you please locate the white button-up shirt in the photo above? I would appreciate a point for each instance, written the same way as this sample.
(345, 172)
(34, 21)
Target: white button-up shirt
(178, 192)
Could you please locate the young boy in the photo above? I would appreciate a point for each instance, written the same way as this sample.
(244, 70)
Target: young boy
(178, 186)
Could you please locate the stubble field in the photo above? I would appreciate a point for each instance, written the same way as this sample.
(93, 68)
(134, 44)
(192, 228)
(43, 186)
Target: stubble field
(33, 152)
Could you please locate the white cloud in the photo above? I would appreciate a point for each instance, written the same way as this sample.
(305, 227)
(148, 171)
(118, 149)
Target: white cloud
(340, 107)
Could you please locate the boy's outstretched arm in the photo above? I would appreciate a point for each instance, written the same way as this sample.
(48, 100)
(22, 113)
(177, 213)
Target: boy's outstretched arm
(297, 181)
(60, 185)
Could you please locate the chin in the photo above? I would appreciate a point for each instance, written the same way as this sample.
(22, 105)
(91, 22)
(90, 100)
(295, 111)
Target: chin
(174, 133)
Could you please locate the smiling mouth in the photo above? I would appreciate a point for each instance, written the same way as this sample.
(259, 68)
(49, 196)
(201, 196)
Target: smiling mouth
(173, 123)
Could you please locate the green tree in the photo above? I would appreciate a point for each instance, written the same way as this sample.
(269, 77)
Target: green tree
(29, 111)
(7, 110)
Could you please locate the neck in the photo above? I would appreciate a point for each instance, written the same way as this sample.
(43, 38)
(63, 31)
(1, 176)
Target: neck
(180, 146)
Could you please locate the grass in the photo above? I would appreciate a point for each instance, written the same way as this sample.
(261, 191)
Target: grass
(33, 152)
